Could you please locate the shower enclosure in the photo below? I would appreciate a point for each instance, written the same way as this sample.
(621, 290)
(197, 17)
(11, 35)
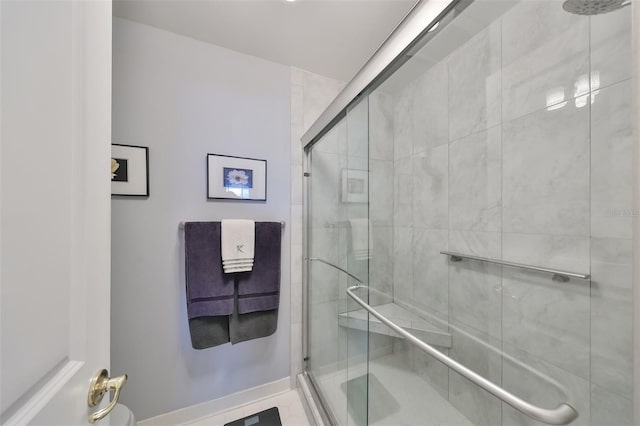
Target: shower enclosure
(469, 222)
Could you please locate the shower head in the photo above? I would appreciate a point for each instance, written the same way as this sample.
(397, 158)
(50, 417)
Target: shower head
(593, 7)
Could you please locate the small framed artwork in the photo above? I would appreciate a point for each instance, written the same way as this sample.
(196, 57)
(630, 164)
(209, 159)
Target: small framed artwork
(355, 186)
(236, 178)
(129, 170)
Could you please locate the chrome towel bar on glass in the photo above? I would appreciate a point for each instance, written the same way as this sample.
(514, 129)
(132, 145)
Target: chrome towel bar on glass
(316, 259)
(558, 275)
(561, 415)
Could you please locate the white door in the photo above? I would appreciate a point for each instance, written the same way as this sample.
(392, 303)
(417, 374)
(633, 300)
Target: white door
(55, 207)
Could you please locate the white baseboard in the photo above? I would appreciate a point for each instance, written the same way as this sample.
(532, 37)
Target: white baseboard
(194, 412)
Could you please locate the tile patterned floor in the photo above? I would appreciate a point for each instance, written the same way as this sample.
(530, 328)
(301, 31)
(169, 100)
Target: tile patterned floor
(289, 405)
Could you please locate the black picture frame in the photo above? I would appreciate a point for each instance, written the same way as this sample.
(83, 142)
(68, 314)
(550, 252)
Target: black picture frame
(236, 178)
(130, 178)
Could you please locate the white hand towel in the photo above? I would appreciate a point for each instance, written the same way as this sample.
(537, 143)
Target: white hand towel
(238, 261)
(361, 238)
(237, 244)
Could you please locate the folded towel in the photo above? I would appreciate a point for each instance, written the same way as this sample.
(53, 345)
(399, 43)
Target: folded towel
(238, 245)
(210, 294)
(361, 238)
(252, 325)
(207, 332)
(259, 290)
(238, 262)
(209, 291)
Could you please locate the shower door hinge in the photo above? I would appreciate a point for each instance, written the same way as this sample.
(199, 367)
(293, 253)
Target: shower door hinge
(306, 174)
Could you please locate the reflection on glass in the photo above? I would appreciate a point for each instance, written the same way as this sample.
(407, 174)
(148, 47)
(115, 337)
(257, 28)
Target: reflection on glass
(555, 99)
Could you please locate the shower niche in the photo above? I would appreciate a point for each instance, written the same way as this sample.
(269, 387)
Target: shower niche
(498, 155)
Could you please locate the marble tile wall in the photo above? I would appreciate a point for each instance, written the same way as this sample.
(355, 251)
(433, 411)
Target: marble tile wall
(518, 146)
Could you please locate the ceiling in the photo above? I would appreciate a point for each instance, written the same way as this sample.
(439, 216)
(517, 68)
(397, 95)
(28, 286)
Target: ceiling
(333, 38)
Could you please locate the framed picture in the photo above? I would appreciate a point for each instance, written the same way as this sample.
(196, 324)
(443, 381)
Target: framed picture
(236, 178)
(129, 170)
(355, 186)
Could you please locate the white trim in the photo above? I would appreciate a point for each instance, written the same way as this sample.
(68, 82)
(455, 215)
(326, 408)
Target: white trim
(45, 394)
(205, 409)
(308, 400)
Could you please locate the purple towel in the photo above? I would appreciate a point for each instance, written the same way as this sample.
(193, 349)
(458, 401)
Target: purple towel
(209, 291)
(259, 290)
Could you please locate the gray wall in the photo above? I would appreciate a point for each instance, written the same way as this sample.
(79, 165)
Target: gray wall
(184, 99)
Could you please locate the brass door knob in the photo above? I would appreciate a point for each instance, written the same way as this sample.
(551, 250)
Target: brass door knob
(100, 384)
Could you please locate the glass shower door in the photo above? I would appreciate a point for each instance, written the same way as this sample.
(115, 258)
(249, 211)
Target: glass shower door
(497, 221)
(338, 258)
(508, 138)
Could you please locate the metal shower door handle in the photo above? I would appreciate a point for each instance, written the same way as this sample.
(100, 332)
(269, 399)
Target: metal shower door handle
(560, 415)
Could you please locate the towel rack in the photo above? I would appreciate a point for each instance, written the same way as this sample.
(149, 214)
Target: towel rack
(181, 224)
(558, 275)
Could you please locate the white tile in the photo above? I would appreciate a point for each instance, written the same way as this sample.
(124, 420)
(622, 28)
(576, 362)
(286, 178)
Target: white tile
(475, 181)
(296, 225)
(235, 414)
(430, 188)
(430, 116)
(476, 404)
(546, 172)
(402, 264)
(474, 84)
(612, 314)
(358, 134)
(381, 125)
(559, 252)
(296, 185)
(609, 409)
(323, 279)
(324, 188)
(543, 317)
(296, 302)
(323, 335)
(296, 145)
(611, 162)
(542, 384)
(431, 370)
(545, 51)
(477, 350)
(335, 141)
(475, 288)
(380, 192)
(318, 92)
(430, 271)
(403, 196)
(611, 46)
(381, 266)
(403, 124)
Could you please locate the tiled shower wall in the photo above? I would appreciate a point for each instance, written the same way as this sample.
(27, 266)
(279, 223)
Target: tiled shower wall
(517, 146)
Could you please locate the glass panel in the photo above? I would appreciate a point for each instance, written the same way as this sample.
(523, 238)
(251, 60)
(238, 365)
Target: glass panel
(355, 196)
(507, 136)
(326, 213)
(502, 134)
(339, 258)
